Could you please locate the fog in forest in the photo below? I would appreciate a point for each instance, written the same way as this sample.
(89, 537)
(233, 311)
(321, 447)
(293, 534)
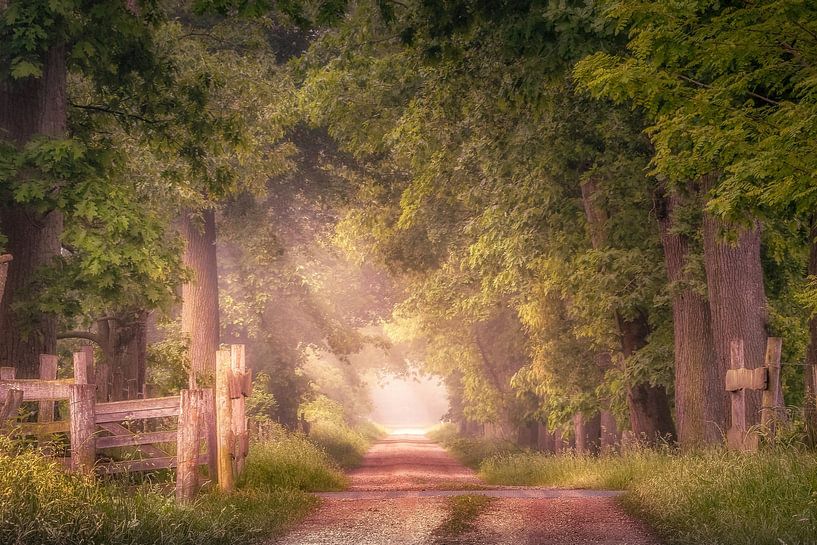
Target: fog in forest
(407, 403)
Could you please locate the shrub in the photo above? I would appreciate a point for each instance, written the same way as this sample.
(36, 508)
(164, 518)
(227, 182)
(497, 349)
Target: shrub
(716, 496)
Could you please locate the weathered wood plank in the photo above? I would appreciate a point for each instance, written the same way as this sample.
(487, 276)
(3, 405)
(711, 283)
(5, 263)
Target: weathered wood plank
(188, 443)
(138, 405)
(119, 429)
(746, 379)
(238, 409)
(136, 439)
(14, 398)
(137, 409)
(48, 371)
(226, 480)
(38, 390)
(43, 428)
(737, 436)
(771, 408)
(83, 368)
(83, 439)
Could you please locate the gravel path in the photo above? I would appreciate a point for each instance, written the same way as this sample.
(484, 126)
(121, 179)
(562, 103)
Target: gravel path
(402, 494)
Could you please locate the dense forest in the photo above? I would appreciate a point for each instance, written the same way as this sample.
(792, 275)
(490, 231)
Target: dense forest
(567, 210)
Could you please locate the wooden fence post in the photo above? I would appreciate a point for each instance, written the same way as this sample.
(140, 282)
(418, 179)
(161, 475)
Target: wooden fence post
(48, 371)
(45, 412)
(226, 481)
(14, 398)
(772, 395)
(81, 400)
(241, 383)
(83, 373)
(738, 380)
(209, 433)
(188, 443)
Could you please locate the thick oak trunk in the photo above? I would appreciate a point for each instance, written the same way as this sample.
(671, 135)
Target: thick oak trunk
(124, 344)
(650, 415)
(737, 302)
(810, 371)
(699, 410)
(30, 107)
(200, 316)
(588, 433)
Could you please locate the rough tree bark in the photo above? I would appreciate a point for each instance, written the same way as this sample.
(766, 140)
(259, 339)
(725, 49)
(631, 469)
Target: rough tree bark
(650, 415)
(588, 433)
(737, 301)
(699, 411)
(810, 370)
(30, 107)
(200, 317)
(124, 340)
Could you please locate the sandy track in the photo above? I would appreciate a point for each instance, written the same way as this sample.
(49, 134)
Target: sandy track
(400, 496)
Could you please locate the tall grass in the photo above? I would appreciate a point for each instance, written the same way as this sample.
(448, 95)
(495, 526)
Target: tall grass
(471, 451)
(712, 497)
(346, 445)
(293, 462)
(40, 504)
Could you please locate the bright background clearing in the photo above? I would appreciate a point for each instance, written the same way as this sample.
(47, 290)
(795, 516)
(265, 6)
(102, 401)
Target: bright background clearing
(408, 403)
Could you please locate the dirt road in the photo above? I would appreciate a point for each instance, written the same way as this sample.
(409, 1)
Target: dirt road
(409, 491)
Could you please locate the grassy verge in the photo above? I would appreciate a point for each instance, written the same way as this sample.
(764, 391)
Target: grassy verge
(713, 497)
(471, 451)
(42, 505)
(345, 444)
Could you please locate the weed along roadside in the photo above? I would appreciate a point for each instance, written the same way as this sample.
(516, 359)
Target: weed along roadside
(713, 496)
(42, 504)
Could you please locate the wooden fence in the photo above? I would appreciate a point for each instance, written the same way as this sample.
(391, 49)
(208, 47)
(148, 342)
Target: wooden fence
(766, 379)
(210, 426)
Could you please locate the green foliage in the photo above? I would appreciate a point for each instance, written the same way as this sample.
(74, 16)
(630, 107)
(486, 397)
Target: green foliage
(712, 497)
(261, 404)
(168, 363)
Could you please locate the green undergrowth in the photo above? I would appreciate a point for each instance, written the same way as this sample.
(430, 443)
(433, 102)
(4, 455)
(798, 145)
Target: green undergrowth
(471, 451)
(711, 497)
(345, 444)
(40, 504)
(291, 462)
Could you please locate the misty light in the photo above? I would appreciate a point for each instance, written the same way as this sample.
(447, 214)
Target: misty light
(407, 405)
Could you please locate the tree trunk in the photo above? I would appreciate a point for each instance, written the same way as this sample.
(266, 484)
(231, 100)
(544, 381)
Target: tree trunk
(650, 415)
(30, 107)
(737, 302)
(610, 435)
(699, 410)
(124, 344)
(588, 433)
(810, 370)
(200, 317)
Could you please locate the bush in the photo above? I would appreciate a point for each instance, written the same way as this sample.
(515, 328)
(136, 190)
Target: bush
(715, 496)
(344, 444)
(291, 461)
(471, 451)
(40, 504)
